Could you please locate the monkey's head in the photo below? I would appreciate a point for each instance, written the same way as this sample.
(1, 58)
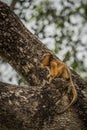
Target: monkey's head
(45, 61)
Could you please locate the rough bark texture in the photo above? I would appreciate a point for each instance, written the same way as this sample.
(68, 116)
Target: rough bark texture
(24, 108)
(19, 46)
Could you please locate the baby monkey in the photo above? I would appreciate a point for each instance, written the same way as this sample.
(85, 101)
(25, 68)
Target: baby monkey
(58, 69)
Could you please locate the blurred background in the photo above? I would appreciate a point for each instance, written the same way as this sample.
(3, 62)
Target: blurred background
(60, 24)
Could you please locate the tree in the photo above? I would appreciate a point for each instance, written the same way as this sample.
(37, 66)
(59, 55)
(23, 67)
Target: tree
(60, 23)
(35, 106)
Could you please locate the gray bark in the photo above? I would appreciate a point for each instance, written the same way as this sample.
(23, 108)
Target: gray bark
(24, 108)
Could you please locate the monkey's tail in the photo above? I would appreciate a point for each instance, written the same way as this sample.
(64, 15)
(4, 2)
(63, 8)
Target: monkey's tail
(74, 97)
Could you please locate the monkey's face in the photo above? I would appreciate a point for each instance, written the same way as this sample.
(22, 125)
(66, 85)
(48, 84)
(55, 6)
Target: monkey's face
(45, 61)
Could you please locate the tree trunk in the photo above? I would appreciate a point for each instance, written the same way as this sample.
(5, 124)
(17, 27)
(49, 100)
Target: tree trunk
(34, 107)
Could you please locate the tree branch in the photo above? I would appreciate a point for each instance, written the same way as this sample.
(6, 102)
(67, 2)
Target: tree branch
(34, 107)
(19, 46)
(13, 3)
(23, 107)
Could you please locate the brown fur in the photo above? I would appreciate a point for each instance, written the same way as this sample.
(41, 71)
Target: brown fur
(59, 69)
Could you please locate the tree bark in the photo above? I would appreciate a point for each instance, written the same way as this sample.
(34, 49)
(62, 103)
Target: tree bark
(24, 108)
